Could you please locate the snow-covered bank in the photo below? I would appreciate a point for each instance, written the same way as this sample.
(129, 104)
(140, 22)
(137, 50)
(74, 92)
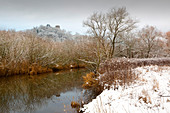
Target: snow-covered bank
(149, 94)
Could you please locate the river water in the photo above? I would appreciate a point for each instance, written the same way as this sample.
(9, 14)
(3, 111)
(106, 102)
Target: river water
(47, 93)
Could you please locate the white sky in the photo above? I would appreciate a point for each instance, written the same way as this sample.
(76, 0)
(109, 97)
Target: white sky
(69, 14)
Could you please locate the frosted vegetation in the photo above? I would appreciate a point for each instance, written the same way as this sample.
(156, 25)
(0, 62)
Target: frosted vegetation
(127, 85)
(110, 35)
(149, 93)
(52, 33)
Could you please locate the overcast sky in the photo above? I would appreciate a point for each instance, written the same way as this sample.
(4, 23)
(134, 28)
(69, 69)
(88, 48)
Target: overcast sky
(69, 14)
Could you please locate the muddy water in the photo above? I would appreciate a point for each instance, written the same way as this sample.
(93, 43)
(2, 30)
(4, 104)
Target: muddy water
(47, 93)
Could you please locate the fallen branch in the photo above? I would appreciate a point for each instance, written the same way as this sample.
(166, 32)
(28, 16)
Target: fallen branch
(89, 62)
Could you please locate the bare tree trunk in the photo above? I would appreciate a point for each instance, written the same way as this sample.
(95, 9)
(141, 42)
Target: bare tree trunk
(148, 52)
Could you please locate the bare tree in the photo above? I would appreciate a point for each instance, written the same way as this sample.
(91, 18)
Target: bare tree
(118, 21)
(129, 42)
(98, 28)
(149, 36)
(109, 26)
(168, 42)
(168, 38)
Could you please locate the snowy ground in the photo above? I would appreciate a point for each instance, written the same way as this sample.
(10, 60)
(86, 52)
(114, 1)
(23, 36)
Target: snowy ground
(149, 94)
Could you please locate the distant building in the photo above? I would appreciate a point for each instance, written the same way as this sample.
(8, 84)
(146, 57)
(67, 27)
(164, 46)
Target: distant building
(57, 26)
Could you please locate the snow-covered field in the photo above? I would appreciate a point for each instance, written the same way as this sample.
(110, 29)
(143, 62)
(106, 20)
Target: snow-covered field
(150, 93)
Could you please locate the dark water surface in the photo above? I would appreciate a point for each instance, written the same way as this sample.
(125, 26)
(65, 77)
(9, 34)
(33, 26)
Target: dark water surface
(47, 93)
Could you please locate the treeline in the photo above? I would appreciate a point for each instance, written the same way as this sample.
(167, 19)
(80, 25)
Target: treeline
(26, 53)
(112, 34)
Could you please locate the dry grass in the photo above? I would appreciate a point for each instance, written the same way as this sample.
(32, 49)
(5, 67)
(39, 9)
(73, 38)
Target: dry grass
(90, 80)
(155, 85)
(146, 98)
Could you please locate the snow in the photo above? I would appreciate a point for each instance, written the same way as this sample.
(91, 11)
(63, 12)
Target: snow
(148, 94)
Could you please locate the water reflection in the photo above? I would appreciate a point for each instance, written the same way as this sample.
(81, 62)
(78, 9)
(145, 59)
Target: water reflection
(50, 93)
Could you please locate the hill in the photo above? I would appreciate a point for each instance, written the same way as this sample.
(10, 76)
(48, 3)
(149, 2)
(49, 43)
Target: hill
(52, 33)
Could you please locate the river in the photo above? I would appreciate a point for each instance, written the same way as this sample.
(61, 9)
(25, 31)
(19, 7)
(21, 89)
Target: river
(46, 93)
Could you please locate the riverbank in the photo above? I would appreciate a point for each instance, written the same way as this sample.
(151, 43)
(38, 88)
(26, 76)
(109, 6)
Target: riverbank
(148, 93)
(36, 69)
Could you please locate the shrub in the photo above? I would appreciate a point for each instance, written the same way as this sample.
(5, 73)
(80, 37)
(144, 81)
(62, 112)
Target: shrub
(19, 51)
(90, 80)
(120, 71)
